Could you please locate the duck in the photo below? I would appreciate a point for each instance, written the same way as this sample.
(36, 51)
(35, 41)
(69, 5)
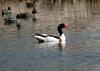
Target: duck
(52, 38)
(34, 11)
(25, 15)
(7, 12)
(29, 4)
(22, 16)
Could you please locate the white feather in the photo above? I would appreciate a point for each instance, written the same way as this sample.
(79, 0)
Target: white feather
(50, 38)
(62, 37)
(40, 37)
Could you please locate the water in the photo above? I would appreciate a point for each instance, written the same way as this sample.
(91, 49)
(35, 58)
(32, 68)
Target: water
(23, 53)
(19, 51)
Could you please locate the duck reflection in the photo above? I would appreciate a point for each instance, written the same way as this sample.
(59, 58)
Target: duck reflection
(52, 45)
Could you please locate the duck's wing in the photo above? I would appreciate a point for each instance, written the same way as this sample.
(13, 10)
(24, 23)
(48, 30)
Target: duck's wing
(47, 38)
(54, 36)
(40, 37)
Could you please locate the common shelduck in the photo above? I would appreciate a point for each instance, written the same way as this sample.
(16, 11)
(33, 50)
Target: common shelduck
(51, 38)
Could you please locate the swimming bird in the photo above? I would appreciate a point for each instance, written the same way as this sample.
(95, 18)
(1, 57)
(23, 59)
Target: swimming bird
(52, 38)
(7, 12)
(25, 15)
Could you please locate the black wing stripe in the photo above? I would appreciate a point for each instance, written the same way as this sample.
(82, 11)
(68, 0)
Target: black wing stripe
(54, 36)
(40, 35)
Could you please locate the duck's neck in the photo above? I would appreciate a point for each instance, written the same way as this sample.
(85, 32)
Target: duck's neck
(60, 31)
(62, 37)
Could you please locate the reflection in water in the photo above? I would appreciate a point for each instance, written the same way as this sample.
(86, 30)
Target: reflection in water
(52, 51)
(52, 45)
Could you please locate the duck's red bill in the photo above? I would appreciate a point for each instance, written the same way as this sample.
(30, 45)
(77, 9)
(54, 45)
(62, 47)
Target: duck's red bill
(67, 26)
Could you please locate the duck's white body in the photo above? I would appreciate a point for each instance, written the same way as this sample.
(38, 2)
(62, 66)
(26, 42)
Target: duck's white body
(51, 38)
